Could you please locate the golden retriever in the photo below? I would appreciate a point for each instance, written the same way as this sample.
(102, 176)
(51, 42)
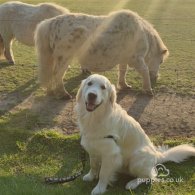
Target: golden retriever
(114, 140)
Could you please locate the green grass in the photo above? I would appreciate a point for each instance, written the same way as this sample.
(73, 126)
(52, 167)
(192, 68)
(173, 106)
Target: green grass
(48, 153)
(30, 150)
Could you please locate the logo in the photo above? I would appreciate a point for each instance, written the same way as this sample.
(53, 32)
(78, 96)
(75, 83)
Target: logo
(161, 170)
(161, 174)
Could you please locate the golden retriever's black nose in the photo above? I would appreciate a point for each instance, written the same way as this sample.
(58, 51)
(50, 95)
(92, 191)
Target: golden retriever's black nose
(92, 96)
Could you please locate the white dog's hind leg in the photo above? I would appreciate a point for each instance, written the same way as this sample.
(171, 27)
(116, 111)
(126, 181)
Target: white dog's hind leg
(121, 77)
(89, 176)
(109, 166)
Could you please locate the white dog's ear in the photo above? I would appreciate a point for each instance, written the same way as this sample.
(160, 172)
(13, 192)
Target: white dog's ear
(79, 93)
(113, 94)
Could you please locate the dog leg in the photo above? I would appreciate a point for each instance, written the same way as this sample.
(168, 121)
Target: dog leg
(142, 165)
(121, 77)
(109, 166)
(142, 68)
(94, 171)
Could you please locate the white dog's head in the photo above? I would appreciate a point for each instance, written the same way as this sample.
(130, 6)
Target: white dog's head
(96, 91)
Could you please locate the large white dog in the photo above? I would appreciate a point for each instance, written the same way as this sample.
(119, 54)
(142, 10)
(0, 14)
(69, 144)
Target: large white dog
(99, 43)
(114, 140)
(19, 20)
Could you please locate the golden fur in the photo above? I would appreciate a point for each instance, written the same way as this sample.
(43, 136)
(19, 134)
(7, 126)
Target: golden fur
(114, 140)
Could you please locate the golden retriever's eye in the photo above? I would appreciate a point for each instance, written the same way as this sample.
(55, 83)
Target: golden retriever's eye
(103, 87)
(90, 83)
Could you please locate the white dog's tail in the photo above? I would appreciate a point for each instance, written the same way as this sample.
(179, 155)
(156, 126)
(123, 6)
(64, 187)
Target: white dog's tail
(176, 154)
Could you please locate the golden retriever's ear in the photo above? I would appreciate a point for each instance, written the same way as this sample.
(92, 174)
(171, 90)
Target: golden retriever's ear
(113, 94)
(79, 93)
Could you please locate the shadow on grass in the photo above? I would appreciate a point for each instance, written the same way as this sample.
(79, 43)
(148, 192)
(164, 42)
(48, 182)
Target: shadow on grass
(73, 83)
(4, 64)
(16, 127)
(48, 108)
(49, 153)
(23, 183)
(122, 93)
(40, 115)
(21, 124)
(9, 140)
(12, 99)
(139, 105)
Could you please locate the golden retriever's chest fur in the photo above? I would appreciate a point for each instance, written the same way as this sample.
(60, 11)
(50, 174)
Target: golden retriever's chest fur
(99, 146)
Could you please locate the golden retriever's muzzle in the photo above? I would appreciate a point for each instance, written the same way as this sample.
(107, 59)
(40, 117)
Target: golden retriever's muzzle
(91, 102)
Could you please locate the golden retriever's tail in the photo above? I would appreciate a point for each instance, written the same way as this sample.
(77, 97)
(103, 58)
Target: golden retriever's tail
(176, 154)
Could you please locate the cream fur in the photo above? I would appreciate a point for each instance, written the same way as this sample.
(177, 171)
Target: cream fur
(131, 150)
(122, 37)
(18, 20)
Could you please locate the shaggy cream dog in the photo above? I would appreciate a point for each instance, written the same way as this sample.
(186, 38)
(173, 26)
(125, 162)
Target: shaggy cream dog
(114, 140)
(99, 43)
(19, 20)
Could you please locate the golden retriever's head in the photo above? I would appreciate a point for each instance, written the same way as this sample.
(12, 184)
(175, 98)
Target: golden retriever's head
(96, 91)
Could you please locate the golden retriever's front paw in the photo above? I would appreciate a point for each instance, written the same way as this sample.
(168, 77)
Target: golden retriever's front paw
(99, 189)
(88, 177)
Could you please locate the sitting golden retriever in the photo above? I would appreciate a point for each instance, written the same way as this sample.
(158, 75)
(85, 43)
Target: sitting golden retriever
(114, 140)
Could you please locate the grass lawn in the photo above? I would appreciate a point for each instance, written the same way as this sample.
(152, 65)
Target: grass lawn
(31, 149)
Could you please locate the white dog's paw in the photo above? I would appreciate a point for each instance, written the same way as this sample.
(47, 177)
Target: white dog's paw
(132, 184)
(88, 177)
(99, 189)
